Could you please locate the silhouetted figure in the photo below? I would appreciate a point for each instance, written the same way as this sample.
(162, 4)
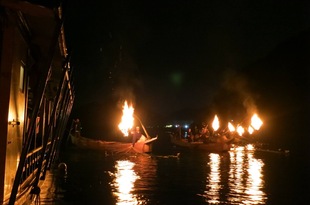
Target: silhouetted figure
(178, 132)
(136, 134)
(77, 127)
(61, 178)
(190, 135)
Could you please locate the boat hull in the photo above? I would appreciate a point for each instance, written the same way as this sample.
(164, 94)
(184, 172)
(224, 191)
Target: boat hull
(112, 146)
(200, 146)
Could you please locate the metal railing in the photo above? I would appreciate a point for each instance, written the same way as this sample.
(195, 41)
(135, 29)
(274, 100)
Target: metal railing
(31, 168)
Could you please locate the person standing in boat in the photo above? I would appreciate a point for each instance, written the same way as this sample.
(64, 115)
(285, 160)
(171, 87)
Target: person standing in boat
(136, 135)
(204, 134)
(190, 136)
(77, 127)
(178, 132)
(195, 132)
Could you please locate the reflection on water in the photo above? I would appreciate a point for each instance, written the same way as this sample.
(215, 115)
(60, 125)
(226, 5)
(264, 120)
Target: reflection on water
(241, 183)
(235, 177)
(254, 182)
(123, 183)
(242, 176)
(132, 176)
(213, 180)
(246, 177)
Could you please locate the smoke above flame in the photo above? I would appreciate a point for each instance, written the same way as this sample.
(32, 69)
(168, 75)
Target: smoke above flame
(235, 99)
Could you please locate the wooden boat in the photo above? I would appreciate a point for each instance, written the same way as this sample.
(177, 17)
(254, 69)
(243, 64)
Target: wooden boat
(219, 146)
(113, 146)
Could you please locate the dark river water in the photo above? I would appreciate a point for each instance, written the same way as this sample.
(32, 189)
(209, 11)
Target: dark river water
(244, 175)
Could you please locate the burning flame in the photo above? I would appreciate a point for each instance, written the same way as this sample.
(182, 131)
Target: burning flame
(231, 127)
(127, 119)
(250, 130)
(215, 123)
(256, 122)
(240, 130)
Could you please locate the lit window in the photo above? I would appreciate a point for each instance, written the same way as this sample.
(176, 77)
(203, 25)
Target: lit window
(21, 78)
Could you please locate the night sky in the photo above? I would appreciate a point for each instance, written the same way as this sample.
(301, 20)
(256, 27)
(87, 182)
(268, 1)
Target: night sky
(172, 57)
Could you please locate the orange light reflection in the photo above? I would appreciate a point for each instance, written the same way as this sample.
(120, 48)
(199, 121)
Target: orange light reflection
(213, 183)
(254, 181)
(125, 178)
(245, 177)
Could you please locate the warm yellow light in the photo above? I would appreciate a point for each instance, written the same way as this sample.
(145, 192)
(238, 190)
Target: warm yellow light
(256, 122)
(214, 186)
(123, 183)
(250, 147)
(231, 127)
(246, 177)
(240, 130)
(254, 182)
(127, 119)
(215, 123)
(250, 129)
(10, 116)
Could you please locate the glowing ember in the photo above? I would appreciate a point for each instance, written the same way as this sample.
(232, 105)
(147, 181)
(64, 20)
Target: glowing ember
(231, 127)
(256, 122)
(127, 119)
(240, 130)
(215, 123)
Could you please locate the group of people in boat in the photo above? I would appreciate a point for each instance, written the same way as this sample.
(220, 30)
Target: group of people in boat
(201, 133)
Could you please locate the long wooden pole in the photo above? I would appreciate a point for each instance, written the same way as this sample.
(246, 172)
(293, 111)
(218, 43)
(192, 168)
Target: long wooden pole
(147, 134)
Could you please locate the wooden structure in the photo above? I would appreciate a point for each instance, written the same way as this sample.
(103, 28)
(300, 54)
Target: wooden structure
(36, 94)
